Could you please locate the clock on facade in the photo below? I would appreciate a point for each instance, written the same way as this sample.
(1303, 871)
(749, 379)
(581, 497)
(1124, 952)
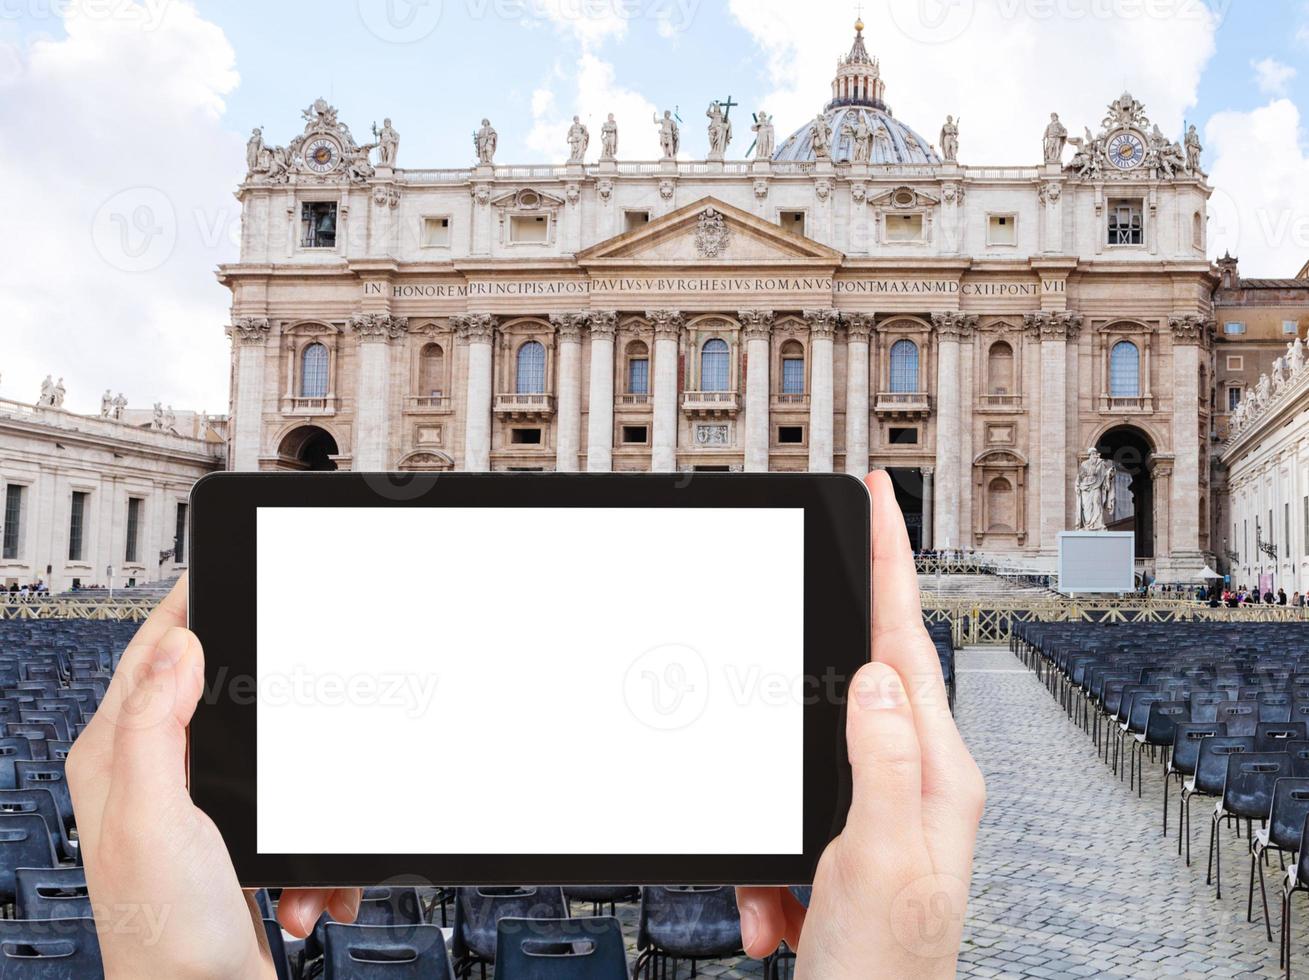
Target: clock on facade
(322, 155)
(1126, 150)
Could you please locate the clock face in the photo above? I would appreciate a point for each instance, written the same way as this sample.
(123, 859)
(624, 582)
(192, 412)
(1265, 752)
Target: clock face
(1126, 150)
(322, 155)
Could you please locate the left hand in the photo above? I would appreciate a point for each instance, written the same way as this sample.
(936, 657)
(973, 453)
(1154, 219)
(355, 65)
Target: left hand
(166, 897)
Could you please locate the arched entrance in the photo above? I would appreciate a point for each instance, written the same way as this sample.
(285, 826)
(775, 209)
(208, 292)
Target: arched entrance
(307, 448)
(1130, 449)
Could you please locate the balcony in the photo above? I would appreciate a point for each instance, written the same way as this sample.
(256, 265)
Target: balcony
(1002, 403)
(711, 404)
(634, 400)
(903, 404)
(1127, 405)
(790, 401)
(295, 405)
(525, 406)
(434, 404)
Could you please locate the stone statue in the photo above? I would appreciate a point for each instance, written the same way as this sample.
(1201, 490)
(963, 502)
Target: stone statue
(357, 165)
(157, 422)
(1279, 374)
(670, 137)
(764, 135)
(388, 144)
(106, 404)
(883, 148)
(47, 396)
(609, 139)
(1095, 492)
(1238, 416)
(1193, 151)
(1055, 138)
(485, 142)
(57, 399)
(720, 131)
(950, 140)
(579, 138)
(860, 135)
(256, 153)
(1296, 357)
(120, 403)
(170, 419)
(822, 138)
(1263, 393)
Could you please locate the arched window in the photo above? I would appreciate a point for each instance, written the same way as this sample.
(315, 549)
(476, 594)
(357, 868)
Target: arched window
(714, 365)
(1000, 368)
(792, 368)
(638, 368)
(530, 376)
(1124, 370)
(904, 366)
(431, 371)
(313, 371)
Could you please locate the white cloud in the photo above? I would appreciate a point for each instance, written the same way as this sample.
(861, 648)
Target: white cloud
(589, 21)
(1002, 66)
(111, 137)
(1261, 171)
(595, 94)
(1272, 76)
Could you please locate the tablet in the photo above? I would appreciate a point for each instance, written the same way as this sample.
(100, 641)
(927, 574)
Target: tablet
(522, 678)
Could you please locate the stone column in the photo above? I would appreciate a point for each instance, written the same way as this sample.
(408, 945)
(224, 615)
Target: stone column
(859, 327)
(372, 427)
(478, 330)
(1190, 337)
(950, 328)
(929, 501)
(1053, 330)
(756, 326)
(568, 442)
(1161, 474)
(600, 420)
(667, 329)
(250, 335)
(822, 333)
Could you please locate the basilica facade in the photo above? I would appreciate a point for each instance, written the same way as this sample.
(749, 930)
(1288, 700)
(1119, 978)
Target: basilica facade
(852, 296)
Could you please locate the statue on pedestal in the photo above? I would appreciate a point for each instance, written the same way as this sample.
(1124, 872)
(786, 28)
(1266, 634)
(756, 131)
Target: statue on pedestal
(1095, 492)
(1056, 135)
(120, 403)
(670, 137)
(388, 144)
(609, 139)
(822, 138)
(950, 140)
(579, 138)
(720, 131)
(47, 396)
(764, 136)
(485, 141)
(106, 404)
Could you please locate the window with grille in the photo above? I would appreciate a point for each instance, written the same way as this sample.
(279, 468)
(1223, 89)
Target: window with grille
(1124, 370)
(13, 519)
(132, 551)
(1125, 223)
(530, 377)
(76, 522)
(714, 365)
(904, 366)
(313, 371)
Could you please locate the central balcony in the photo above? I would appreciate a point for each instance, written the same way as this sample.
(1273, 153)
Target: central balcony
(711, 404)
(430, 404)
(1121, 404)
(297, 405)
(1012, 403)
(903, 404)
(634, 400)
(537, 405)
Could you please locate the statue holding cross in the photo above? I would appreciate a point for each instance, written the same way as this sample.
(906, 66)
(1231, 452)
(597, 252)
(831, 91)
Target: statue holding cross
(720, 128)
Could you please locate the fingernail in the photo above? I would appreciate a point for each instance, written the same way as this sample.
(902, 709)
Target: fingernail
(885, 692)
(171, 646)
(354, 905)
(749, 926)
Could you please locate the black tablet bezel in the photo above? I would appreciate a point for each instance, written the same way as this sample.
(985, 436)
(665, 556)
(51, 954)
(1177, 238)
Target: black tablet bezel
(223, 731)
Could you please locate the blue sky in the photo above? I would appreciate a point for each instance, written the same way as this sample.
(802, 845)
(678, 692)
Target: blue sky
(108, 105)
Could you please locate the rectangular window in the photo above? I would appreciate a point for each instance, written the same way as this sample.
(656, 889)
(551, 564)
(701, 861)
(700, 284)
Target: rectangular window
(318, 224)
(13, 519)
(793, 375)
(179, 535)
(1001, 229)
(132, 551)
(903, 437)
(1233, 398)
(529, 229)
(1126, 225)
(790, 434)
(904, 227)
(792, 221)
(638, 376)
(636, 435)
(76, 523)
(1233, 327)
(1235, 363)
(633, 220)
(1291, 327)
(436, 232)
(525, 437)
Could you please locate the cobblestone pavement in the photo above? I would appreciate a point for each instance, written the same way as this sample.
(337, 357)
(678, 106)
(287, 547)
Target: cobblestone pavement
(1073, 877)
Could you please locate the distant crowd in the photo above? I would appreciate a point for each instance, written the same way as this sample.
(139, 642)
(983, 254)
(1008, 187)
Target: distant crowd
(23, 591)
(1250, 597)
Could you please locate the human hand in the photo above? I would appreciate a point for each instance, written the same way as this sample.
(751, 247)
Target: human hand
(151, 857)
(890, 892)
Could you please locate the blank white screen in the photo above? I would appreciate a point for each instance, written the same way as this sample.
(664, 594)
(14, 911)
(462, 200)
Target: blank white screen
(530, 680)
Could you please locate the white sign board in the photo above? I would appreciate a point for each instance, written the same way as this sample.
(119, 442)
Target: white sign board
(1097, 561)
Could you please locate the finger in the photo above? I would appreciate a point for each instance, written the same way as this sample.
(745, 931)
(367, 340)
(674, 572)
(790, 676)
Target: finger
(299, 908)
(343, 904)
(885, 762)
(763, 921)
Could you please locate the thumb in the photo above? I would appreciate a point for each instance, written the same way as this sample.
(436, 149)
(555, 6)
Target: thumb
(885, 760)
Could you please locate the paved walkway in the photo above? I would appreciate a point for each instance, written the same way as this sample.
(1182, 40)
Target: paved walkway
(1073, 877)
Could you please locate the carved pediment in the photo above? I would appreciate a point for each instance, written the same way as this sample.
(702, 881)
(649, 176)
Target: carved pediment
(527, 200)
(710, 231)
(1000, 458)
(904, 198)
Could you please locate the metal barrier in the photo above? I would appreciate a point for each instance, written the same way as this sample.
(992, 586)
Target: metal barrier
(128, 610)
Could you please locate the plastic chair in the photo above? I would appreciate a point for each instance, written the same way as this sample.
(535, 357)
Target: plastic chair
(1181, 760)
(1296, 880)
(1271, 736)
(42, 803)
(277, 947)
(1285, 820)
(380, 906)
(478, 910)
(1247, 793)
(24, 843)
(45, 950)
(1155, 730)
(1240, 717)
(49, 775)
(686, 923)
(560, 949)
(1210, 774)
(406, 952)
(601, 895)
(51, 893)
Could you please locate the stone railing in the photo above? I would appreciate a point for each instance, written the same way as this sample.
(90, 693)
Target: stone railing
(105, 428)
(710, 402)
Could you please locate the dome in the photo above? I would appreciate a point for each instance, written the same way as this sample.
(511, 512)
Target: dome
(857, 97)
